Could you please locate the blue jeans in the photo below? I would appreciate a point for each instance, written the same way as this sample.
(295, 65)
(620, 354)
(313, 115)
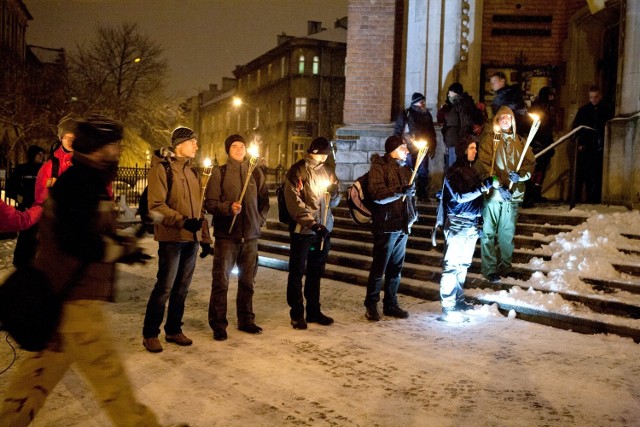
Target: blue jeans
(227, 254)
(176, 263)
(305, 255)
(388, 258)
(461, 244)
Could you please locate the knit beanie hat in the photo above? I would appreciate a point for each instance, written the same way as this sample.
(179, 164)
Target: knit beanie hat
(392, 143)
(231, 139)
(95, 131)
(181, 134)
(66, 125)
(417, 97)
(320, 145)
(456, 88)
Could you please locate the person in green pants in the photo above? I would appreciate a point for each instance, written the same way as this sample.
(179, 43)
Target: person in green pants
(500, 154)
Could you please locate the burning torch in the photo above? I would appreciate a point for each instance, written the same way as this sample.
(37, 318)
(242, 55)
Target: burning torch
(208, 167)
(323, 220)
(422, 152)
(253, 161)
(532, 133)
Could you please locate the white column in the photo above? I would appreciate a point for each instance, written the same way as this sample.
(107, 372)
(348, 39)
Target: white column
(416, 53)
(630, 87)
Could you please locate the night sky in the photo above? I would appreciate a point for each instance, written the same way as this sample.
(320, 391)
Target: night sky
(203, 40)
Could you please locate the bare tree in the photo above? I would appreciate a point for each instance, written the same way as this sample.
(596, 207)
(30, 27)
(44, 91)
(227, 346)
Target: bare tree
(121, 73)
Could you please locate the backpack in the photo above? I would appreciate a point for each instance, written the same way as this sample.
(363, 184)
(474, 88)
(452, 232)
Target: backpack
(359, 200)
(283, 213)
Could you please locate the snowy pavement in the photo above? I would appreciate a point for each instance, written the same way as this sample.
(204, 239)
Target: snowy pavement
(493, 370)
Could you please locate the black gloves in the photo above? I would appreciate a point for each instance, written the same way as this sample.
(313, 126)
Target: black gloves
(505, 193)
(408, 190)
(135, 257)
(193, 224)
(320, 230)
(206, 249)
(514, 177)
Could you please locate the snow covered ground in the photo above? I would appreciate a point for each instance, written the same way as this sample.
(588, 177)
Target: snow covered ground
(494, 370)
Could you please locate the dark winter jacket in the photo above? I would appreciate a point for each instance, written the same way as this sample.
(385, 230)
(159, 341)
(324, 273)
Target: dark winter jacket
(304, 192)
(21, 184)
(594, 116)
(220, 196)
(183, 202)
(457, 119)
(78, 228)
(505, 155)
(462, 195)
(511, 96)
(544, 136)
(420, 125)
(390, 213)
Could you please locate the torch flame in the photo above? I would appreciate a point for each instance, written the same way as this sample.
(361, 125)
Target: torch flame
(420, 144)
(253, 150)
(324, 184)
(207, 162)
(535, 117)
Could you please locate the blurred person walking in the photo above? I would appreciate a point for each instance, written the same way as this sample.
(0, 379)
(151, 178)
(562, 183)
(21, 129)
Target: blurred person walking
(78, 251)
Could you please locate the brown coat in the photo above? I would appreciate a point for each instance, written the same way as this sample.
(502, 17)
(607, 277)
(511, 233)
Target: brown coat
(184, 200)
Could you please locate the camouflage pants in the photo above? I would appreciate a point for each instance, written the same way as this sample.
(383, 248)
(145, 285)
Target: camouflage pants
(85, 341)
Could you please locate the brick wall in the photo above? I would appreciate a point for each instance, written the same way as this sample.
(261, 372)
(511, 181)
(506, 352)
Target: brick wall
(536, 49)
(370, 61)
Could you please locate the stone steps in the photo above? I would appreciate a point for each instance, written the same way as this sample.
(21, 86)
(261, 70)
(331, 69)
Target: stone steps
(610, 307)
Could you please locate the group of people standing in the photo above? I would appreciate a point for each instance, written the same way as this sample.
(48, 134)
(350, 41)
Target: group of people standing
(78, 244)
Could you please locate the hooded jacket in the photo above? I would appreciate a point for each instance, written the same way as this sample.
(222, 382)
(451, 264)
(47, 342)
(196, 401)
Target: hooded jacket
(184, 199)
(221, 195)
(390, 213)
(304, 192)
(462, 193)
(44, 180)
(505, 155)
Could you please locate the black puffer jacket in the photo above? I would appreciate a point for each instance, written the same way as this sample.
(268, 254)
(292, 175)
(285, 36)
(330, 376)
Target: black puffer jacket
(387, 176)
(457, 118)
(462, 191)
(420, 126)
(511, 96)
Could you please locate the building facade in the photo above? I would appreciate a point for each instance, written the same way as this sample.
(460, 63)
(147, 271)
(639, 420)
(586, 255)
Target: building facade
(285, 97)
(424, 46)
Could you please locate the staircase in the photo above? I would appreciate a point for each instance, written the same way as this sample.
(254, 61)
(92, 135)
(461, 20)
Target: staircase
(607, 307)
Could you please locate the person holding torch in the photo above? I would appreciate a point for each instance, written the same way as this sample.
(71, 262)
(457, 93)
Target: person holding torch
(311, 189)
(174, 195)
(392, 189)
(238, 199)
(510, 162)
